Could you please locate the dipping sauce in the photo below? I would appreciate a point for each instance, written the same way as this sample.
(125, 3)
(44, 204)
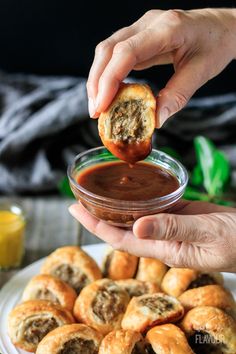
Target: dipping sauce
(119, 180)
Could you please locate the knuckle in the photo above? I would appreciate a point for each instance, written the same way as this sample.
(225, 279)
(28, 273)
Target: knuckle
(171, 226)
(181, 100)
(174, 17)
(123, 47)
(151, 13)
(103, 46)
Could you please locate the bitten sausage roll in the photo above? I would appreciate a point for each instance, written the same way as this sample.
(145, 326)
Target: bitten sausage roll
(210, 330)
(72, 265)
(151, 269)
(123, 342)
(101, 305)
(71, 339)
(146, 311)
(48, 287)
(167, 339)
(126, 127)
(136, 287)
(177, 280)
(209, 295)
(30, 321)
(119, 265)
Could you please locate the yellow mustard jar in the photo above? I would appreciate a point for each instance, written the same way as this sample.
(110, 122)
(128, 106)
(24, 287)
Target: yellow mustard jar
(12, 230)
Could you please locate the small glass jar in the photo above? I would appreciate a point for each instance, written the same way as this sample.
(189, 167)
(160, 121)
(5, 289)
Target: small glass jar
(12, 230)
(123, 213)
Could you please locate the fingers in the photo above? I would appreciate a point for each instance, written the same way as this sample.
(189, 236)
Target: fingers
(180, 88)
(186, 207)
(116, 237)
(196, 229)
(103, 54)
(128, 54)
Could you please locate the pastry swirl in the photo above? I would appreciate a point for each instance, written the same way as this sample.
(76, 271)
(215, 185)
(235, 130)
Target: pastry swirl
(146, 311)
(30, 321)
(72, 265)
(101, 305)
(48, 287)
(210, 330)
(71, 339)
(122, 341)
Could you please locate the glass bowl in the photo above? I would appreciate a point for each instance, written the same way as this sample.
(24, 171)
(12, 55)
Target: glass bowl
(123, 213)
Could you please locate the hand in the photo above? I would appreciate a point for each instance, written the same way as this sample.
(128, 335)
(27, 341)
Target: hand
(199, 43)
(198, 235)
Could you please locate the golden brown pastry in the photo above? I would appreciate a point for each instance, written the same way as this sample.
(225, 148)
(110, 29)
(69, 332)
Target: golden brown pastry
(210, 330)
(168, 339)
(146, 311)
(119, 265)
(177, 280)
(151, 269)
(136, 287)
(101, 305)
(30, 321)
(48, 287)
(126, 127)
(209, 295)
(72, 265)
(71, 339)
(123, 342)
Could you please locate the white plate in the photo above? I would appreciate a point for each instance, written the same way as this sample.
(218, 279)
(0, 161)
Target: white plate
(11, 293)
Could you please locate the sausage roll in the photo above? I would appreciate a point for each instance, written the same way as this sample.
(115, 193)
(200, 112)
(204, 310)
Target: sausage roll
(136, 287)
(48, 287)
(177, 280)
(146, 311)
(101, 305)
(72, 265)
(167, 339)
(71, 339)
(30, 321)
(210, 330)
(119, 265)
(151, 269)
(209, 295)
(123, 342)
(126, 127)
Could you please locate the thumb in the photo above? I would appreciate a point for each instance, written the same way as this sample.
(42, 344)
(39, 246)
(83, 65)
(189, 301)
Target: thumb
(171, 227)
(183, 84)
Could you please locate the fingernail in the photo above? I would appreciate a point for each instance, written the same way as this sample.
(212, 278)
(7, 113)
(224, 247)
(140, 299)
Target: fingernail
(97, 103)
(147, 230)
(163, 115)
(91, 107)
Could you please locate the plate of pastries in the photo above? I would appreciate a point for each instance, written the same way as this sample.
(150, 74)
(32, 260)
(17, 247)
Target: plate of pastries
(96, 300)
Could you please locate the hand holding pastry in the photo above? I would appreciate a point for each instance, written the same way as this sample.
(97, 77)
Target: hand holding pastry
(199, 44)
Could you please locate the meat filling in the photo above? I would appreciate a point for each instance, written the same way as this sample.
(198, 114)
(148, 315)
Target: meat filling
(45, 294)
(202, 280)
(136, 290)
(127, 121)
(37, 329)
(158, 305)
(79, 346)
(203, 343)
(72, 276)
(108, 304)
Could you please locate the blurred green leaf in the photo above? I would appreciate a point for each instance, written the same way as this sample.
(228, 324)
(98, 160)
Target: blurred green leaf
(196, 177)
(193, 194)
(214, 166)
(64, 187)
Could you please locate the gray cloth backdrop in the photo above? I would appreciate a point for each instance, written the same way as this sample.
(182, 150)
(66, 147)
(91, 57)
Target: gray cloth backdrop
(44, 123)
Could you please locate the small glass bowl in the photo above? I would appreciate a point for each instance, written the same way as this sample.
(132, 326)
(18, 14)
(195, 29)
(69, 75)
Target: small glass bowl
(123, 213)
